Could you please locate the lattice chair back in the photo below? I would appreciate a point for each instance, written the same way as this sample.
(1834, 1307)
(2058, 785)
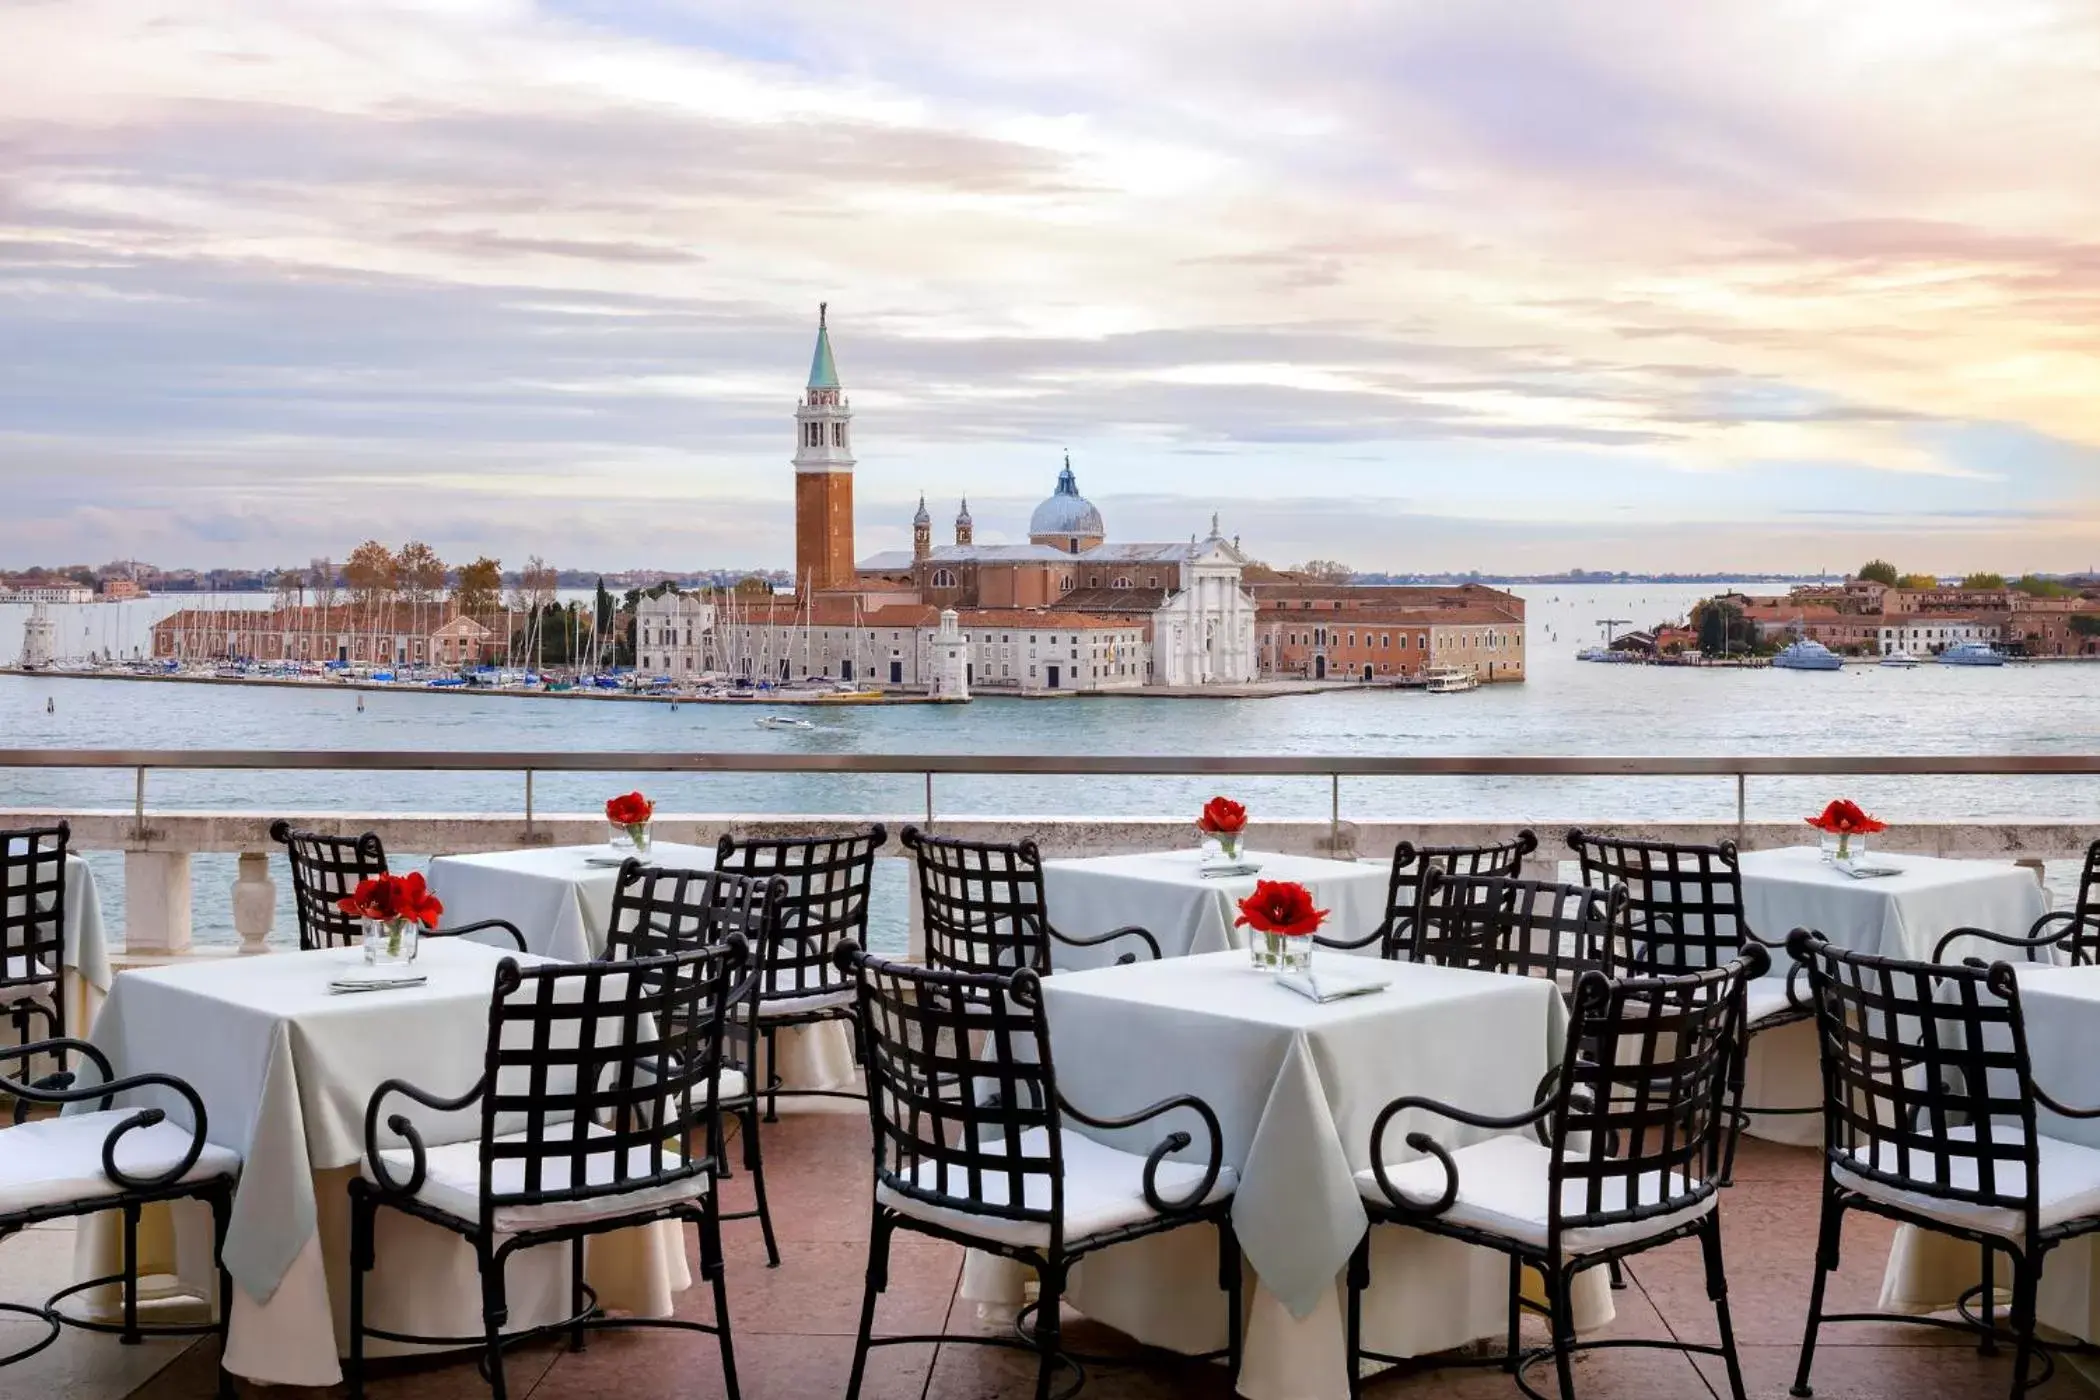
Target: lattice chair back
(1529, 928)
(982, 903)
(324, 870)
(824, 903)
(1644, 1102)
(1684, 908)
(602, 1076)
(33, 924)
(1927, 1086)
(2081, 941)
(1407, 886)
(961, 1093)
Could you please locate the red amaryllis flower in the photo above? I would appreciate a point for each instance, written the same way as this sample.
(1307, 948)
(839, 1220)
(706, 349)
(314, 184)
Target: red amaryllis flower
(1222, 817)
(1280, 906)
(1844, 818)
(391, 897)
(632, 809)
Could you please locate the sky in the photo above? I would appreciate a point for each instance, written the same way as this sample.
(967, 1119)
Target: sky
(1746, 284)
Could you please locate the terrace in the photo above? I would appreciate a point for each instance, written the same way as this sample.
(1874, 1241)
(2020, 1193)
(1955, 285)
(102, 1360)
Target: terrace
(795, 1325)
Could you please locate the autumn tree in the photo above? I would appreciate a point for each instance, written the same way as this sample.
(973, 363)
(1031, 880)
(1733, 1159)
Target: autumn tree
(479, 590)
(321, 578)
(754, 586)
(1918, 581)
(370, 575)
(1327, 570)
(1878, 571)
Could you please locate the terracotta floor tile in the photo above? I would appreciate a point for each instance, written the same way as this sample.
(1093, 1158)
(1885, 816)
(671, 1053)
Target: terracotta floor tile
(654, 1366)
(1888, 1373)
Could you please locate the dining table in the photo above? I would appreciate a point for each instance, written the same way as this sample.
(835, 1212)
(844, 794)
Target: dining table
(285, 1067)
(1295, 1085)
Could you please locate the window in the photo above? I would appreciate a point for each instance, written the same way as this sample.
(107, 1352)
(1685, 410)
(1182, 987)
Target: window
(838, 434)
(944, 578)
(1093, 580)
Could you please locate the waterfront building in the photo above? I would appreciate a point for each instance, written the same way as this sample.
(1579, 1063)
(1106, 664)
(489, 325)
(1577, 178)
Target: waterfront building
(1014, 649)
(390, 635)
(39, 638)
(951, 660)
(1387, 632)
(1920, 633)
(47, 593)
(674, 635)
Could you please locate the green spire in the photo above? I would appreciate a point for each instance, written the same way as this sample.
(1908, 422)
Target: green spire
(823, 374)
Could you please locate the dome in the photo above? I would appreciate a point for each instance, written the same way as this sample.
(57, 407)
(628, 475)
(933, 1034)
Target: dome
(1067, 512)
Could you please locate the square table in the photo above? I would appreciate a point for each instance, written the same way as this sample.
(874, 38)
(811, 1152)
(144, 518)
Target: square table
(1167, 894)
(562, 903)
(1894, 916)
(285, 1069)
(1296, 1085)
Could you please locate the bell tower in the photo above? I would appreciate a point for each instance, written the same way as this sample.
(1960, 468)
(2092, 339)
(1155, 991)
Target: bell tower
(823, 475)
(965, 528)
(921, 532)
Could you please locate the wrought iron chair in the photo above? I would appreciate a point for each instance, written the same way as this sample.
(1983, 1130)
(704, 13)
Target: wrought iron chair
(1929, 1119)
(33, 928)
(599, 1111)
(1003, 1172)
(1406, 891)
(326, 868)
(656, 911)
(984, 910)
(826, 903)
(2078, 941)
(1684, 912)
(1528, 928)
(108, 1159)
(1620, 1155)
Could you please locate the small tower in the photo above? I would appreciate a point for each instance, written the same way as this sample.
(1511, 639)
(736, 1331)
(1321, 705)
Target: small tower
(921, 531)
(39, 638)
(965, 531)
(823, 475)
(951, 661)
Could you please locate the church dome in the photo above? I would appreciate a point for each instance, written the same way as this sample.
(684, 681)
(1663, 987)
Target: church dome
(1067, 512)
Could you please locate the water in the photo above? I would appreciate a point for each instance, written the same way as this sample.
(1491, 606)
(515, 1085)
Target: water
(1566, 707)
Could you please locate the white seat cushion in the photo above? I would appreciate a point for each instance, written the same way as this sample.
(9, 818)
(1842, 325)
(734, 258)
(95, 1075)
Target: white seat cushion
(1104, 1190)
(2069, 1188)
(1767, 997)
(452, 1182)
(19, 970)
(53, 1161)
(770, 1007)
(1502, 1185)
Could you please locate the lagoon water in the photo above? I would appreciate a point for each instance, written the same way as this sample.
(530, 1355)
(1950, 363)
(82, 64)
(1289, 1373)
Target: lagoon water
(1566, 707)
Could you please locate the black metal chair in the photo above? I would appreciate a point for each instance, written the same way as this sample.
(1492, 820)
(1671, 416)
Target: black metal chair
(33, 928)
(1929, 1119)
(1620, 1155)
(1684, 911)
(656, 911)
(1527, 928)
(826, 904)
(599, 1107)
(2078, 941)
(984, 911)
(1407, 889)
(1001, 1172)
(327, 868)
(108, 1159)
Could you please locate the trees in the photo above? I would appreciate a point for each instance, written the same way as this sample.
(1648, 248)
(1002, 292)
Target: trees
(1327, 570)
(2085, 624)
(419, 576)
(1983, 580)
(479, 589)
(370, 575)
(1918, 581)
(1878, 571)
(321, 578)
(754, 586)
(1723, 630)
(2035, 586)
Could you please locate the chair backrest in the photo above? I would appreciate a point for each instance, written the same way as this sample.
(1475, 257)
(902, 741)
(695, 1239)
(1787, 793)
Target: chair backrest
(1406, 889)
(1684, 909)
(1530, 928)
(324, 870)
(1926, 1080)
(2081, 941)
(1644, 1094)
(824, 903)
(657, 910)
(601, 1077)
(982, 903)
(960, 1082)
(33, 906)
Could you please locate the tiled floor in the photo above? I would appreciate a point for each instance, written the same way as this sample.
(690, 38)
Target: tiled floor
(795, 1325)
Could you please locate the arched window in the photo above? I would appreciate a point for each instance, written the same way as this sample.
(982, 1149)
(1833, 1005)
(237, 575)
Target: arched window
(943, 578)
(1120, 581)
(1064, 585)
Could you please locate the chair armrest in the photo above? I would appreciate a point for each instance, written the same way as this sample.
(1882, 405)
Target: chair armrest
(2010, 940)
(1173, 1142)
(1386, 935)
(56, 1046)
(506, 925)
(2054, 1107)
(1422, 1142)
(1096, 940)
(401, 1127)
(51, 1093)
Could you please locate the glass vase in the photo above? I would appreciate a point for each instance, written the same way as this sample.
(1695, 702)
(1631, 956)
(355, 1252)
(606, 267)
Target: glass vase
(634, 836)
(1841, 848)
(1230, 845)
(390, 942)
(1294, 954)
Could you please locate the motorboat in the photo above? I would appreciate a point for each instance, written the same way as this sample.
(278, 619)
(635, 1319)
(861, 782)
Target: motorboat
(1806, 655)
(1899, 660)
(1972, 654)
(1605, 654)
(1450, 680)
(782, 722)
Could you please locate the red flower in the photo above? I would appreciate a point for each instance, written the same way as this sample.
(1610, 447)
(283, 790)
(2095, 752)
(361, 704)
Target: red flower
(390, 897)
(1222, 817)
(630, 810)
(1844, 818)
(1280, 906)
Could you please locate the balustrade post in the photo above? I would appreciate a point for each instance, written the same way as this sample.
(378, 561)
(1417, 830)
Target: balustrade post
(254, 901)
(156, 901)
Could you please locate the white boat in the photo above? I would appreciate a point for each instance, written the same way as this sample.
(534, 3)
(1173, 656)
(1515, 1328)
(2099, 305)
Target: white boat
(1605, 654)
(782, 722)
(1901, 660)
(1805, 655)
(1449, 680)
(1972, 654)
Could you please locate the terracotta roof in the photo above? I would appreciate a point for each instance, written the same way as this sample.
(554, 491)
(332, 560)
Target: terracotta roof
(1115, 600)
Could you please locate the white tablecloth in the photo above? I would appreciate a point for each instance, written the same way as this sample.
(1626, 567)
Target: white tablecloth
(1296, 1085)
(1166, 893)
(563, 906)
(285, 1070)
(83, 957)
(1895, 916)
